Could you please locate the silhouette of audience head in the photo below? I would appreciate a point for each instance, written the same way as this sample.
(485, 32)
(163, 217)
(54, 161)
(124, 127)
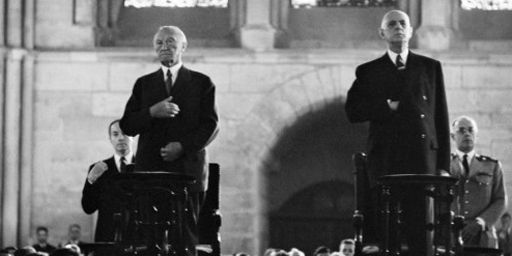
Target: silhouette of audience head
(347, 247)
(322, 251)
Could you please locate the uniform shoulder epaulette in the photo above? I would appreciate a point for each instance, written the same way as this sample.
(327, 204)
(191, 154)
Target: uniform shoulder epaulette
(486, 158)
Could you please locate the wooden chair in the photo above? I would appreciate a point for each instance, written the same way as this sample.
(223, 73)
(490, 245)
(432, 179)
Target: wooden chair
(209, 217)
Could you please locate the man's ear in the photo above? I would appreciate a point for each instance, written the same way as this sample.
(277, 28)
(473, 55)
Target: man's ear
(184, 47)
(452, 136)
(381, 33)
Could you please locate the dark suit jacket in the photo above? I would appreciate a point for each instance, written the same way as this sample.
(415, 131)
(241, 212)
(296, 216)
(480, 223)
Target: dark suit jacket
(106, 198)
(194, 127)
(414, 139)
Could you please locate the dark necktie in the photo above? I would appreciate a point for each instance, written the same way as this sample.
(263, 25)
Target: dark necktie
(465, 164)
(168, 82)
(122, 165)
(399, 62)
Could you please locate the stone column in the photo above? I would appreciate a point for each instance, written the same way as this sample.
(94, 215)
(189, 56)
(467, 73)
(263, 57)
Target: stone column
(26, 148)
(14, 23)
(17, 118)
(257, 34)
(435, 32)
(11, 138)
(29, 24)
(2, 23)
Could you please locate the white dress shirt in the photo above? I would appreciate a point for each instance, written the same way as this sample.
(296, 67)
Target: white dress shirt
(392, 55)
(127, 160)
(174, 71)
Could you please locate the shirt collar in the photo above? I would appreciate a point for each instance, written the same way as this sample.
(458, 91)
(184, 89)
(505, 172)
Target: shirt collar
(174, 70)
(128, 159)
(392, 55)
(461, 154)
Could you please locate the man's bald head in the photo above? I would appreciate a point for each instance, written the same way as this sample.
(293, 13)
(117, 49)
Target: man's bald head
(171, 30)
(396, 30)
(464, 132)
(386, 17)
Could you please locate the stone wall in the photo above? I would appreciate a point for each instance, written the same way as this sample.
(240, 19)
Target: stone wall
(258, 96)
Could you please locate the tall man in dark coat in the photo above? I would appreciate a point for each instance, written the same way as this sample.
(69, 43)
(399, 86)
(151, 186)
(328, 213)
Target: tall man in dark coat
(402, 95)
(100, 193)
(173, 111)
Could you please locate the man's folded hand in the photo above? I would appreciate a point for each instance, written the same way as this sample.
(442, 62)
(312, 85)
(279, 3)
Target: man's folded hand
(97, 170)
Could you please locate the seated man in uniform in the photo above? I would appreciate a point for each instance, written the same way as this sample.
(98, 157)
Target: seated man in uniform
(481, 196)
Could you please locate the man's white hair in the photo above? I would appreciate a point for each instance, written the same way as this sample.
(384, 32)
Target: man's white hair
(172, 29)
(456, 121)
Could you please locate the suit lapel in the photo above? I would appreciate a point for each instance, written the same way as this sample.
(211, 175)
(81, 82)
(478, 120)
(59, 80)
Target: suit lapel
(158, 83)
(111, 163)
(181, 82)
(387, 63)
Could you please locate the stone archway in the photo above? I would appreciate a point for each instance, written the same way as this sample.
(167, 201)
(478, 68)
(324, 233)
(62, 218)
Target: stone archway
(294, 92)
(309, 185)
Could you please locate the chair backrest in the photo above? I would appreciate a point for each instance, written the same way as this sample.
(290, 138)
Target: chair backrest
(209, 216)
(361, 184)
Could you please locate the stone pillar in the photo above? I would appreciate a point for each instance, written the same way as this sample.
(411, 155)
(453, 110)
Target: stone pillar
(435, 32)
(17, 118)
(28, 24)
(14, 23)
(279, 19)
(257, 34)
(3, 12)
(26, 148)
(11, 138)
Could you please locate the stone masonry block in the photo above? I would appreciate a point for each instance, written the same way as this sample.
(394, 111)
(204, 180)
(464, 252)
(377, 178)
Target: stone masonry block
(462, 101)
(237, 243)
(263, 77)
(220, 74)
(237, 106)
(67, 76)
(452, 76)
(348, 75)
(122, 75)
(236, 201)
(81, 130)
(502, 120)
(502, 151)
(236, 178)
(46, 116)
(240, 222)
(494, 101)
(489, 76)
(109, 104)
(296, 94)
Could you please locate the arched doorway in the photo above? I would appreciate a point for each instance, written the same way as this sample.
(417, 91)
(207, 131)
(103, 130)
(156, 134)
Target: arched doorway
(310, 183)
(318, 215)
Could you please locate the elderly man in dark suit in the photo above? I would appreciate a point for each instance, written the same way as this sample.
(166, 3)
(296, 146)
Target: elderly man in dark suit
(480, 190)
(99, 192)
(173, 111)
(402, 95)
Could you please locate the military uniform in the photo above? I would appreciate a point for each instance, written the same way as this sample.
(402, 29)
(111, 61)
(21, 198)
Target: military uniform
(480, 194)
